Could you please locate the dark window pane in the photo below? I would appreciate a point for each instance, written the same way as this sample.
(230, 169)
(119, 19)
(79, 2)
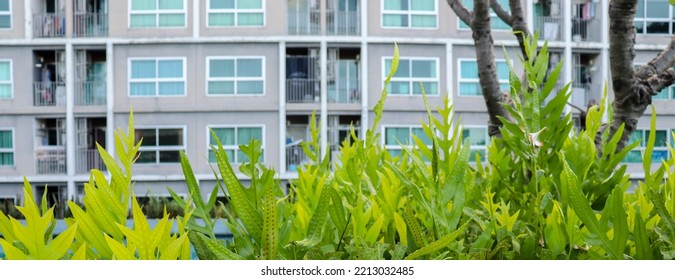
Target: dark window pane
(170, 137)
(148, 136)
(659, 27)
(148, 157)
(169, 156)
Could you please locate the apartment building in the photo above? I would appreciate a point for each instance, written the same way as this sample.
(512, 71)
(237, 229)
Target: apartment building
(71, 70)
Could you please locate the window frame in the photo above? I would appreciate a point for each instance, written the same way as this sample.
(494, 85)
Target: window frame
(235, 147)
(411, 80)
(476, 80)
(234, 79)
(644, 19)
(158, 148)
(236, 13)
(11, 79)
(156, 80)
(12, 150)
(641, 149)
(409, 13)
(8, 13)
(411, 140)
(156, 12)
(477, 147)
(493, 16)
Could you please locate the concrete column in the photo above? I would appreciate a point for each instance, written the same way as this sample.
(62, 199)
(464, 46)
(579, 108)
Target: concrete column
(529, 16)
(110, 99)
(604, 11)
(70, 120)
(196, 15)
(568, 59)
(69, 17)
(282, 107)
(28, 21)
(363, 83)
(324, 97)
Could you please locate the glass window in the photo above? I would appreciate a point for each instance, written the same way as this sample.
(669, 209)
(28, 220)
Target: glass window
(397, 136)
(235, 76)
(479, 139)
(660, 151)
(232, 13)
(157, 77)
(160, 145)
(409, 14)
(157, 13)
(654, 17)
(495, 21)
(5, 14)
(469, 84)
(411, 73)
(232, 138)
(6, 147)
(6, 79)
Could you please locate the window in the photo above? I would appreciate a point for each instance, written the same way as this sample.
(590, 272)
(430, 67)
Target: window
(6, 147)
(157, 13)
(232, 137)
(469, 84)
(231, 13)
(654, 17)
(157, 77)
(160, 145)
(235, 76)
(5, 14)
(479, 139)
(411, 72)
(5, 79)
(409, 13)
(397, 136)
(495, 21)
(660, 146)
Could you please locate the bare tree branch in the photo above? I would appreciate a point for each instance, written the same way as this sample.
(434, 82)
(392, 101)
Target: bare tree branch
(501, 13)
(622, 42)
(487, 68)
(518, 24)
(663, 61)
(461, 11)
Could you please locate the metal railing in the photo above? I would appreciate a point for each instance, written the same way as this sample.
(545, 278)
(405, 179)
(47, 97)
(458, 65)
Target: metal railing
(90, 25)
(549, 27)
(50, 160)
(583, 93)
(301, 90)
(49, 25)
(585, 30)
(295, 156)
(88, 159)
(343, 23)
(90, 93)
(345, 91)
(49, 94)
(304, 23)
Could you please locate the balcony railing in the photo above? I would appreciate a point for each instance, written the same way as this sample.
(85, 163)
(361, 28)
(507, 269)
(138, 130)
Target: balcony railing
(90, 25)
(304, 23)
(49, 94)
(295, 156)
(301, 90)
(585, 30)
(344, 91)
(88, 159)
(90, 93)
(550, 28)
(50, 160)
(343, 23)
(583, 93)
(49, 25)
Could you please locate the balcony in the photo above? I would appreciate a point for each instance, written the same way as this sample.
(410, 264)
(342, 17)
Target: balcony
(50, 160)
(550, 27)
(304, 22)
(585, 24)
(295, 157)
(303, 78)
(88, 159)
(49, 94)
(344, 91)
(90, 93)
(345, 23)
(90, 25)
(584, 93)
(49, 25)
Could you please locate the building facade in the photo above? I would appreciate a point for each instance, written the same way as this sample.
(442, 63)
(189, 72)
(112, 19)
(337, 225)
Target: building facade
(71, 70)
